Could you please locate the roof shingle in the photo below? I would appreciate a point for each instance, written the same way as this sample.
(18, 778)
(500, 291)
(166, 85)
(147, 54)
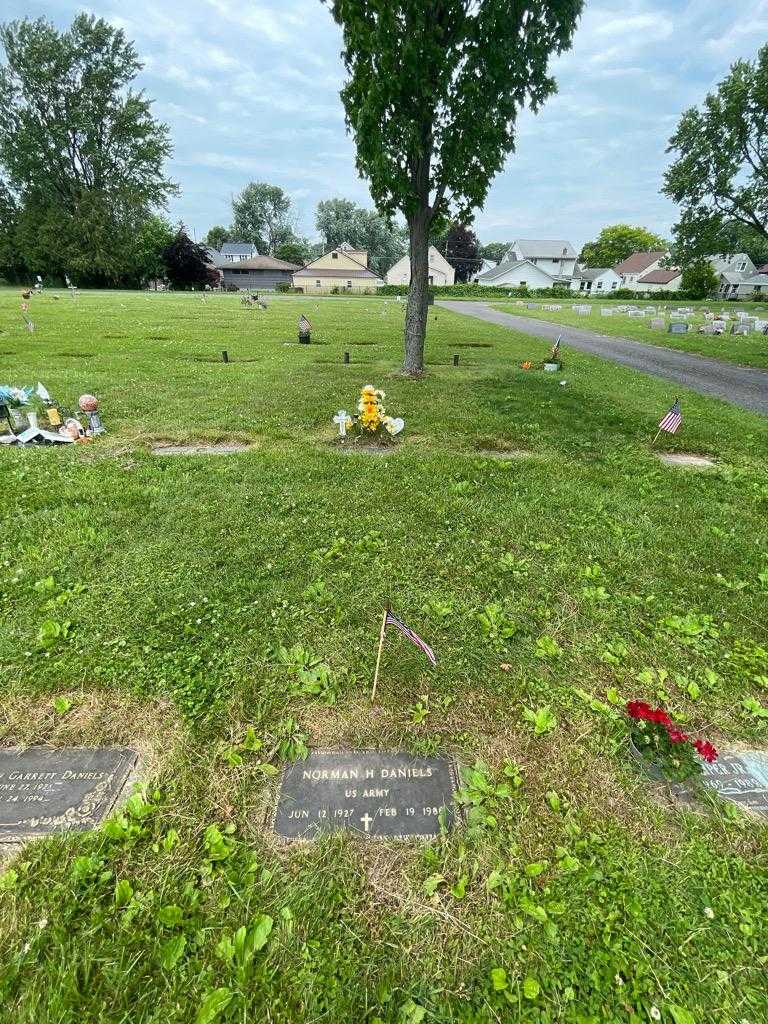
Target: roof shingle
(638, 262)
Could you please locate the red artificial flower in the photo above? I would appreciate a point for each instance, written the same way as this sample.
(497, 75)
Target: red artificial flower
(707, 751)
(638, 709)
(660, 716)
(676, 735)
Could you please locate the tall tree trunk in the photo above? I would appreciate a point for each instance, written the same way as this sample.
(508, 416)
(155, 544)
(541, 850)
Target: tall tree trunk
(418, 292)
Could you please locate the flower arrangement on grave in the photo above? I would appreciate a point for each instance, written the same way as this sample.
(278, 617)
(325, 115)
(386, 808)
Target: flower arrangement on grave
(664, 746)
(371, 422)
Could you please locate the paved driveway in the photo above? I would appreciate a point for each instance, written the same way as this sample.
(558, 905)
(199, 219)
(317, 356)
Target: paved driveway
(742, 385)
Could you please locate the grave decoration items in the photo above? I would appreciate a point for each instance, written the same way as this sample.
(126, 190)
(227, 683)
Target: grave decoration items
(664, 750)
(371, 422)
(89, 404)
(27, 409)
(554, 362)
(305, 330)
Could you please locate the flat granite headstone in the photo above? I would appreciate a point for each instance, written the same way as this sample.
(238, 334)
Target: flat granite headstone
(375, 794)
(45, 790)
(742, 777)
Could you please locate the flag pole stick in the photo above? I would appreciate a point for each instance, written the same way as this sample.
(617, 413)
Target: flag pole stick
(653, 442)
(378, 656)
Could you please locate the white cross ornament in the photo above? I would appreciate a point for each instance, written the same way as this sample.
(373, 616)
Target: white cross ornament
(341, 418)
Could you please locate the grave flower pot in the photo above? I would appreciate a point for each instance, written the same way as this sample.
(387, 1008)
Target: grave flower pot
(646, 765)
(18, 418)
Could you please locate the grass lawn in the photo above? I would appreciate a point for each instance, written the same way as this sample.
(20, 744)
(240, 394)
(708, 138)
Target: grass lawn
(746, 350)
(188, 592)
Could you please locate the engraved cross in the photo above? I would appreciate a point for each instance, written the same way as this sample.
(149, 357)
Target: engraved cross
(367, 820)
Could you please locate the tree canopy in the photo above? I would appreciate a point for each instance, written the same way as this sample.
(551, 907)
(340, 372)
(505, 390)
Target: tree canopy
(81, 152)
(261, 214)
(460, 247)
(433, 93)
(720, 171)
(494, 251)
(699, 279)
(618, 241)
(217, 236)
(341, 220)
(186, 263)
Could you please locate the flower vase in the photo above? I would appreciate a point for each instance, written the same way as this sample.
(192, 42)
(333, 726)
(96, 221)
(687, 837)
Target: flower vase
(32, 419)
(649, 768)
(18, 418)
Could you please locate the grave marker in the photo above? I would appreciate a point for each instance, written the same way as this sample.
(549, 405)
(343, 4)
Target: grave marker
(44, 790)
(375, 794)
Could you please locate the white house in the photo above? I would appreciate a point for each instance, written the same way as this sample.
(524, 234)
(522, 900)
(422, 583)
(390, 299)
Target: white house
(595, 280)
(637, 265)
(486, 266)
(555, 257)
(660, 280)
(751, 283)
(517, 274)
(440, 270)
(732, 271)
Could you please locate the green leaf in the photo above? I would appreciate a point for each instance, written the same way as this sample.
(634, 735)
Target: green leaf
(123, 893)
(170, 916)
(261, 932)
(61, 705)
(694, 690)
(531, 988)
(432, 883)
(171, 951)
(214, 1004)
(680, 1015)
(499, 979)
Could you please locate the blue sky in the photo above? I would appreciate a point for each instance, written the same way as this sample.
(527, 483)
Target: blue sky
(250, 90)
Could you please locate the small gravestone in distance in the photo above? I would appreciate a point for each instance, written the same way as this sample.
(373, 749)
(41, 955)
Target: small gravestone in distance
(677, 328)
(44, 790)
(375, 794)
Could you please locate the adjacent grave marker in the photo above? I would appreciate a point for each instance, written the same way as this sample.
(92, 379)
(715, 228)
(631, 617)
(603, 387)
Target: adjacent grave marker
(742, 777)
(375, 794)
(45, 790)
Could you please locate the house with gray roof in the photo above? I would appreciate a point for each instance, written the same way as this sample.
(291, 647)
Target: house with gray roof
(261, 273)
(233, 252)
(733, 271)
(595, 280)
(517, 274)
(555, 257)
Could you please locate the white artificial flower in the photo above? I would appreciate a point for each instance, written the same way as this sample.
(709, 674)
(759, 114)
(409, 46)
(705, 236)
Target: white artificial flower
(618, 979)
(709, 912)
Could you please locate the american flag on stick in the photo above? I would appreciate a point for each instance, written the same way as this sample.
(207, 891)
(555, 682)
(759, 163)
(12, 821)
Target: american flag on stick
(671, 422)
(390, 619)
(304, 325)
(556, 347)
(673, 419)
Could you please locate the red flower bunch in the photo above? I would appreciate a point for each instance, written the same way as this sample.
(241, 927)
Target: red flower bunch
(706, 750)
(654, 732)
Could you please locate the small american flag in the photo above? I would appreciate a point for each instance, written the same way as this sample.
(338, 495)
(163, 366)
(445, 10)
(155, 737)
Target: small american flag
(304, 325)
(673, 419)
(392, 620)
(556, 347)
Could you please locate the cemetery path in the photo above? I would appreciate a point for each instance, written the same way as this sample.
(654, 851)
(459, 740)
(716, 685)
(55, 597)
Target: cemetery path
(741, 385)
